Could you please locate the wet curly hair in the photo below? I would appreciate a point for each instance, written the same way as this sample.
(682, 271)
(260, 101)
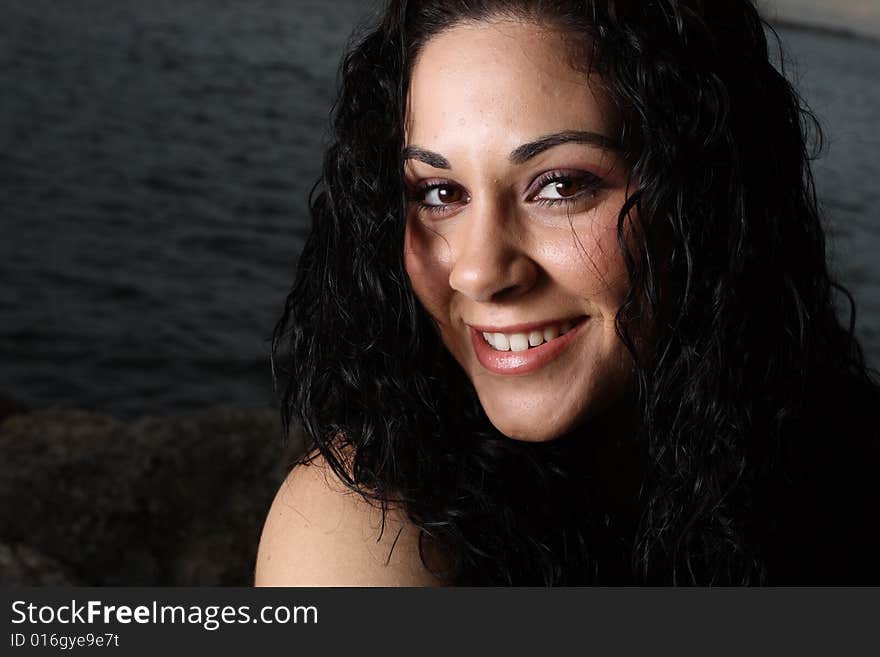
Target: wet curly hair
(729, 263)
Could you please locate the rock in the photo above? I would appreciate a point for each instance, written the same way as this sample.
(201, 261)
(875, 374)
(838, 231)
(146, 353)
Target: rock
(21, 565)
(158, 501)
(10, 407)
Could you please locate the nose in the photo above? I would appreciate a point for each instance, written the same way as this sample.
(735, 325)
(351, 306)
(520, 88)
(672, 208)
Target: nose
(491, 257)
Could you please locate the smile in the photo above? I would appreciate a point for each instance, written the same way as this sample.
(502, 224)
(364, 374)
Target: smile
(524, 341)
(523, 349)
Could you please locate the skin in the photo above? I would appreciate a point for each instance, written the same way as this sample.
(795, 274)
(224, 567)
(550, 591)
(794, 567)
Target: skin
(319, 533)
(488, 251)
(494, 256)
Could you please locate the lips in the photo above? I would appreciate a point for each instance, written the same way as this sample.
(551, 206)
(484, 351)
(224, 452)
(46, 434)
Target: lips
(525, 358)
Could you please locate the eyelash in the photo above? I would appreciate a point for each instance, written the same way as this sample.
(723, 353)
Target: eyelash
(591, 184)
(418, 195)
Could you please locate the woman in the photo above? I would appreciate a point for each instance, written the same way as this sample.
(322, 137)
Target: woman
(565, 315)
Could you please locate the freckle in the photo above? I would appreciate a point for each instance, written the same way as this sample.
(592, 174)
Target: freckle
(461, 120)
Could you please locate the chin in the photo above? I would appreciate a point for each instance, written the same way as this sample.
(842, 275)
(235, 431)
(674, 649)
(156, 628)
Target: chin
(532, 433)
(533, 425)
(533, 437)
(543, 418)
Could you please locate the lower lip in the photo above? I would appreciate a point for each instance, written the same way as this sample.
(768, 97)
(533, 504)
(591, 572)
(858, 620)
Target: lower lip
(521, 362)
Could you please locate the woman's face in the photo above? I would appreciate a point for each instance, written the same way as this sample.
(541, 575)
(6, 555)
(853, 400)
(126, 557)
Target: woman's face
(511, 245)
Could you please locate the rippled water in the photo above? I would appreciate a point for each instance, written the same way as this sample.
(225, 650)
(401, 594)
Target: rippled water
(155, 161)
(840, 79)
(860, 17)
(155, 158)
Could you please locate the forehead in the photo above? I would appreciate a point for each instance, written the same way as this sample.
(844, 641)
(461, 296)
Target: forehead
(509, 80)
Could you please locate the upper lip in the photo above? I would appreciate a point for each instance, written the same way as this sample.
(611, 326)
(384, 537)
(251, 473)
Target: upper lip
(526, 327)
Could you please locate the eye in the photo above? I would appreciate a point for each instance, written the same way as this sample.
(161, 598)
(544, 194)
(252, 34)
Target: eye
(561, 187)
(564, 188)
(438, 196)
(441, 195)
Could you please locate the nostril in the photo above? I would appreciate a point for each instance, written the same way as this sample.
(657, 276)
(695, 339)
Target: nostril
(487, 279)
(507, 293)
(489, 287)
(491, 255)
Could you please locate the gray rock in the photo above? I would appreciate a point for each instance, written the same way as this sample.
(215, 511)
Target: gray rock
(24, 566)
(158, 501)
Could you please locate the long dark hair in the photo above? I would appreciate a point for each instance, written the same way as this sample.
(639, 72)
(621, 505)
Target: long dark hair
(730, 266)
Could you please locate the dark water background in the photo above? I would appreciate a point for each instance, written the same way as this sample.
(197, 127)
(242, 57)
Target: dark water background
(155, 159)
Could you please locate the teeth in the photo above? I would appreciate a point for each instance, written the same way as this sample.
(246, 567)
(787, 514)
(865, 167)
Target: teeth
(522, 341)
(519, 342)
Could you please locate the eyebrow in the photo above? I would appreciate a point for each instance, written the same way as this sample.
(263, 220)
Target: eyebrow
(521, 154)
(428, 157)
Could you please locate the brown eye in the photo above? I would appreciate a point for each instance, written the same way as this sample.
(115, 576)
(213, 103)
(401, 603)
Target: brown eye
(568, 187)
(449, 194)
(439, 195)
(559, 187)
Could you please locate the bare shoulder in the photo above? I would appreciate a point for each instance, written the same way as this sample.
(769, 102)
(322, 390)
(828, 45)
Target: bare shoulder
(319, 533)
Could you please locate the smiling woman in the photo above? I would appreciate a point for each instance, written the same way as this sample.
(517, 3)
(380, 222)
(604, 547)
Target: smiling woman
(564, 316)
(511, 240)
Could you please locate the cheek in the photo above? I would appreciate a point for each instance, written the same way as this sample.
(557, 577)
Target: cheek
(593, 266)
(427, 265)
(613, 279)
